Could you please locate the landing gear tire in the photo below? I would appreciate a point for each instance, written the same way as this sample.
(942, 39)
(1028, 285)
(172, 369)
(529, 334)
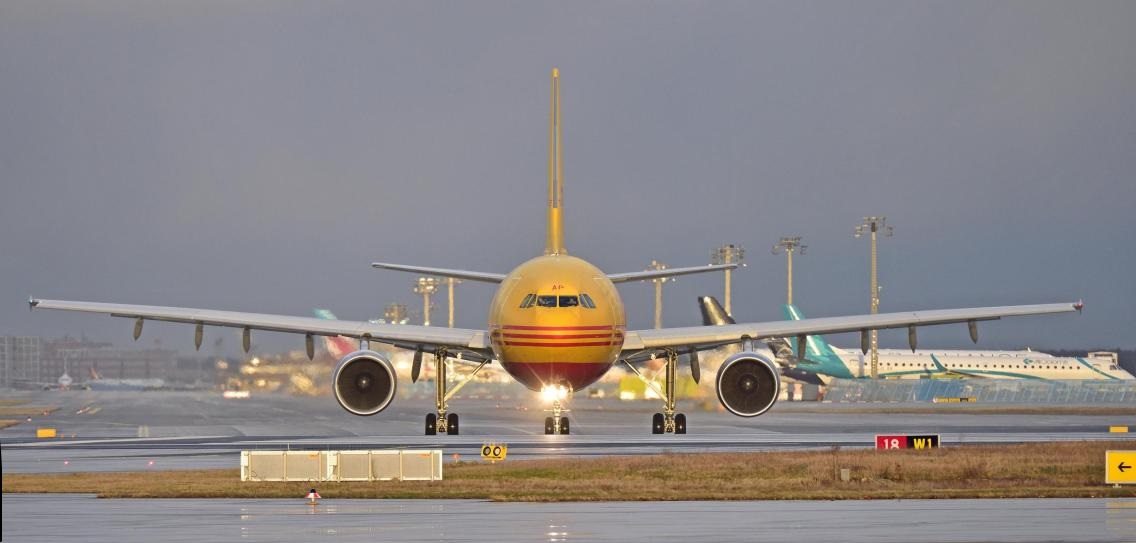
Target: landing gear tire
(657, 424)
(564, 425)
(452, 424)
(549, 427)
(680, 423)
(431, 424)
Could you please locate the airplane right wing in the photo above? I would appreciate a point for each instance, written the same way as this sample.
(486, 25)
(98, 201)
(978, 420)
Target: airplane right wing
(407, 336)
(667, 272)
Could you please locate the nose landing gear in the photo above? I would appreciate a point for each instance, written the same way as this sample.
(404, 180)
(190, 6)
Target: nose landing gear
(557, 424)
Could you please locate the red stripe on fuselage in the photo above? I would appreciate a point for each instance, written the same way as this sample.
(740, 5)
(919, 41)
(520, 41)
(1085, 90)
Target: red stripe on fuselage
(576, 375)
(555, 328)
(559, 336)
(548, 344)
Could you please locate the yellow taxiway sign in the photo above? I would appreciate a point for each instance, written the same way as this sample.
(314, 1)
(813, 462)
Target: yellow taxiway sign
(494, 452)
(1120, 467)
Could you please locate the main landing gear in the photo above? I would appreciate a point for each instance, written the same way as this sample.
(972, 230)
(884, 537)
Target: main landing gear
(667, 422)
(557, 424)
(441, 422)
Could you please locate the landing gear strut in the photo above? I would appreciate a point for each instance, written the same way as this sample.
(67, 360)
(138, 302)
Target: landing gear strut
(557, 424)
(667, 422)
(441, 422)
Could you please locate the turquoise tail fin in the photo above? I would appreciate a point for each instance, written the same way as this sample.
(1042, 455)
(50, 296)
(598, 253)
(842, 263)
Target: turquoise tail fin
(815, 346)
(819, 356)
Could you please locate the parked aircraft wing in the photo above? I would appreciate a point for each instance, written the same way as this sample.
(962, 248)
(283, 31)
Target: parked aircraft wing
(669, 272)
(402, 335)
(708, 336)
(443, 272)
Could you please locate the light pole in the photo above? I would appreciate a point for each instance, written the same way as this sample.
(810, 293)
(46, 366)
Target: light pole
(658, 281)
(728, 254)
(395, 314)
(450, 282)
(426, 286)
(790, 246)
(875, 225)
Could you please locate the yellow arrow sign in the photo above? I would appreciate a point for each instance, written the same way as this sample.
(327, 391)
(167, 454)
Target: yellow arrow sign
(1120, 467)
(494, 451)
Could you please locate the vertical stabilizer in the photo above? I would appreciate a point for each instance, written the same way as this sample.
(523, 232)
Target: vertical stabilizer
(712, 312)
(555, 243)
(819, 356)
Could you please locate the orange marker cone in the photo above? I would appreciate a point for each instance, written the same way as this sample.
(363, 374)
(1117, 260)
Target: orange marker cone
(313, 496)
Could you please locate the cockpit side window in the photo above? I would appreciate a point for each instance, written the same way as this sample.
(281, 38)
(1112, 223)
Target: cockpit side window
(546, 301)
(569, 301)
(586, 301)
(528, 301)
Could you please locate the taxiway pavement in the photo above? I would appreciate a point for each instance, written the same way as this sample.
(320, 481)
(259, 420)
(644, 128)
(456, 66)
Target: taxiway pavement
(131, 431)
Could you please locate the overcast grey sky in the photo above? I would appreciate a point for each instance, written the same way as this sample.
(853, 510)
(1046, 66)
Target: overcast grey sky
(256, 156)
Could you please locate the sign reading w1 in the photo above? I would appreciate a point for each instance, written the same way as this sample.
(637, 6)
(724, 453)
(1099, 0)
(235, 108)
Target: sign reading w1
(929, 441)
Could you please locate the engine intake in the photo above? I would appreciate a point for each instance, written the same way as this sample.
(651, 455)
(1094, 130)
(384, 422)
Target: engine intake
(364, 382)
(748, 384)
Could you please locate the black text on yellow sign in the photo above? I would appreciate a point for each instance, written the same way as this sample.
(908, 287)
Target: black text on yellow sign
(494, 451)
(1120, 467)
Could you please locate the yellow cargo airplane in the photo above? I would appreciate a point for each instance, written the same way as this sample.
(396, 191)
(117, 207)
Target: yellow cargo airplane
(556, 325)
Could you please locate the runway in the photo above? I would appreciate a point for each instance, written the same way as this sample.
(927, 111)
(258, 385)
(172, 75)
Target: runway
(189, 430)
(33, 517)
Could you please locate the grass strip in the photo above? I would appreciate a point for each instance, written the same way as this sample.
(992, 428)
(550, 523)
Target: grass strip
(28, 411)
(978, 471)
(7, 423)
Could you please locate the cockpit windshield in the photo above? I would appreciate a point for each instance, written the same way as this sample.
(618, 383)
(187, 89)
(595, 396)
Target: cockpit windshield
(548, 300)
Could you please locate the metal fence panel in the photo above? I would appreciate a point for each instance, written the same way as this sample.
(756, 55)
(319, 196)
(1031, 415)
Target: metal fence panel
(386, 465)
(421, 465)
(319, 466)
(353, 466)
(262, 466)
(986, 390)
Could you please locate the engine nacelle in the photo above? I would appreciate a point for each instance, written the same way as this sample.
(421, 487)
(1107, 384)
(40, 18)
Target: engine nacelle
(364, 382)
(748, 383)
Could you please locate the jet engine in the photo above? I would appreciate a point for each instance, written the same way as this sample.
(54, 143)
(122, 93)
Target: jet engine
(748, 383)
(364, 382)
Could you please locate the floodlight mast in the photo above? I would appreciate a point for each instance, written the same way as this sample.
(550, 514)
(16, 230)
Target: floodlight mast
(658, 281)
(450, 282)
(395, 313)
(426, 286)
(790, 245)
(874, 225)
(728, 254)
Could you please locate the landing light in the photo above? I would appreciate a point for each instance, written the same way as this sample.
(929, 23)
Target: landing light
(551, 393)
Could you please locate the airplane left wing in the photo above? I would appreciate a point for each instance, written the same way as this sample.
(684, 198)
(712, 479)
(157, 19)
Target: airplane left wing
(712, 336)
(401, 335)
(484, 277)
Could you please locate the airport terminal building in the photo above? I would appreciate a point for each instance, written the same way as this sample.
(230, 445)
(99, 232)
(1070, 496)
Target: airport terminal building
(32, 360)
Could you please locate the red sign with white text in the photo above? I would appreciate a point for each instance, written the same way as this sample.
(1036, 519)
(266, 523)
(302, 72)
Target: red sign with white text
(929, 441)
